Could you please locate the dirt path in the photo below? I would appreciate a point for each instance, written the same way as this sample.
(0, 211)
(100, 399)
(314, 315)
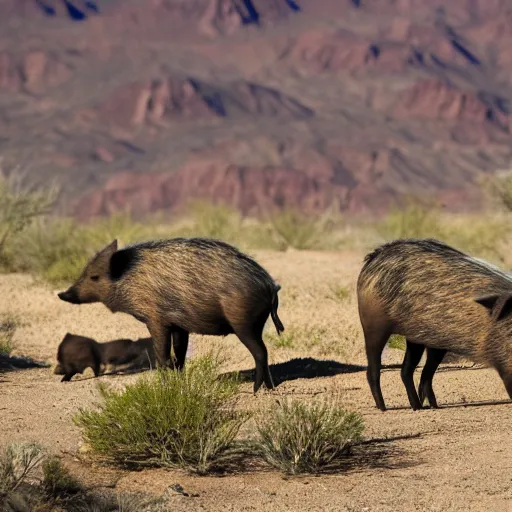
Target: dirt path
(456, 458)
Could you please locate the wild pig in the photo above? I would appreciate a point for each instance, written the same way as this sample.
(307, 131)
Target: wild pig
(75, 354)
(181, 286)
(128, 353)
(437, 297)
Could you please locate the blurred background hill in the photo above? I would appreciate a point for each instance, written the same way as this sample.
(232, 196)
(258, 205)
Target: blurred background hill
(261, 104)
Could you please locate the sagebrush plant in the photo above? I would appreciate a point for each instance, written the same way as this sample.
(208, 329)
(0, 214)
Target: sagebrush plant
(57, 480)
(8, 325)
(19, 206)
(167, 418)
(18, 463)
(500, 188)
(296, 437)
(57, 249)
(24, 489)
(303, 232)
(413, 219)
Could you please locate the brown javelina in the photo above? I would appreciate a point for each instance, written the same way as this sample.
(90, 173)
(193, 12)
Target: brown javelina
(183, 286)
(75, 354)
(128, 353)
(439, 298)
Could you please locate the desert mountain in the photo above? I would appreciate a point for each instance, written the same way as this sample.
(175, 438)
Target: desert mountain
(262, 104)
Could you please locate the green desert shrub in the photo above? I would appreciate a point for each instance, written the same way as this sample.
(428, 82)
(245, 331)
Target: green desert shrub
(296, 437)
(57, 481)
(20, 205)
(303, 232)
(8, 325)
(172, 419)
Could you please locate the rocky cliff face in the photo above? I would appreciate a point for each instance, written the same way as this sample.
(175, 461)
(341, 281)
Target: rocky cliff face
(261, 104)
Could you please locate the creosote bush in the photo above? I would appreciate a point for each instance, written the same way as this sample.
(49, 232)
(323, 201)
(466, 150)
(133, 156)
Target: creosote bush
(297, 437)
(171, 419)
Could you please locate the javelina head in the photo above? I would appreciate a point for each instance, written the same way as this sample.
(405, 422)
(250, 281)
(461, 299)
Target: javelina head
(59, 370)
(94, 283)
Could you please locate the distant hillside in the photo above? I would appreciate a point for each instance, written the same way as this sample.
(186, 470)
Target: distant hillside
(259, 103)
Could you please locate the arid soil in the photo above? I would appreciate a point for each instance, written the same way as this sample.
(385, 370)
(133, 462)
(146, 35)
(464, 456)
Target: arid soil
(457, 458)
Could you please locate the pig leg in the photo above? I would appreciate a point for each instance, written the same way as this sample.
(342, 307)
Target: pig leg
(412, 357)
(96, 368)
(162, 341)
(434, 358)
(68, 376)
(251, 337)
(376, 334)
(179, 345)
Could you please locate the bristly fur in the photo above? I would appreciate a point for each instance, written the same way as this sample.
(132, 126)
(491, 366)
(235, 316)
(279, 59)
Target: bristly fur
(181, 286)
(427, 291)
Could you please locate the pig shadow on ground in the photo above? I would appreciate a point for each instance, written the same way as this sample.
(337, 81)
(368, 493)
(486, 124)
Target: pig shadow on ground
(302, 368)
(17, 363)
(457, 405)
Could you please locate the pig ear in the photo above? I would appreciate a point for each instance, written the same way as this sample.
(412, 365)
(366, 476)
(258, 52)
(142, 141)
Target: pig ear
(499, 306)
(112, 246)
(110, 249)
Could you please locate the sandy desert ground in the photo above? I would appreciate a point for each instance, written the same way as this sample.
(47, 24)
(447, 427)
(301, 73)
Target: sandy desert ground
(452, 459)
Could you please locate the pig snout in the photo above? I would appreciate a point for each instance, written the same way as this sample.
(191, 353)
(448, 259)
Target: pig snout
(69, 296)
(58, 370)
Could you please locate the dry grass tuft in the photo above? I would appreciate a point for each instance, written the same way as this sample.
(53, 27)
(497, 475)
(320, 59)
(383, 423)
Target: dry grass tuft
(295, 437)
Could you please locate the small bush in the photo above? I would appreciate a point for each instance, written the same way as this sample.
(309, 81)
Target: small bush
(57, 481)
(57, 249)
(215, 221)
(8, 325)
(307, 438)
(500, 188)
(18, 462)
(171, 419)
(19, 206)
(414, 219)
(304, 232)
(22, 489)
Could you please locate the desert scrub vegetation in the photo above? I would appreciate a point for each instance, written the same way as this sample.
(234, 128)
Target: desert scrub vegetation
(19, 207)
(33, 481)
(296, 437)
(56, 248)
(8, 325)
(482, 235)
(181, 419)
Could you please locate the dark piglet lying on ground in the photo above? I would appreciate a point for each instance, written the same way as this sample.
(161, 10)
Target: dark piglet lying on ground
(183, 286)
(77, 353)
(438, 298)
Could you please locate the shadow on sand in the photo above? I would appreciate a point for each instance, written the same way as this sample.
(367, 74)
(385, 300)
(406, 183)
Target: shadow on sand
(14, 363)
(301, 368)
